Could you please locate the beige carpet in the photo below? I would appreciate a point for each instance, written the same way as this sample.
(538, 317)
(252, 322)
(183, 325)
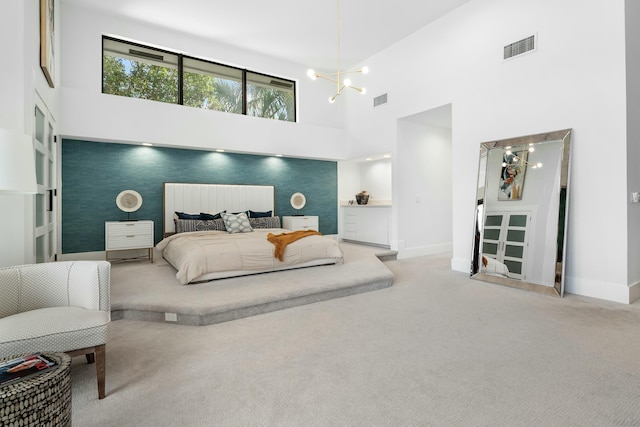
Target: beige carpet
(147, 291)
(434, 349)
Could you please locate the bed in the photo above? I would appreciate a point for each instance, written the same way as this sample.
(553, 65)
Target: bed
(214, 231)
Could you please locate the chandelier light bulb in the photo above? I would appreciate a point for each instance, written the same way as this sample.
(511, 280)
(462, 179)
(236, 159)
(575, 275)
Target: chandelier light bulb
(336, 77)
(508, 152)
(363, 90)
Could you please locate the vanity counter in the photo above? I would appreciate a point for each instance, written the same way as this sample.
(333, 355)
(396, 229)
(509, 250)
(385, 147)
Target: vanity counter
(369, 205)
(364, 225)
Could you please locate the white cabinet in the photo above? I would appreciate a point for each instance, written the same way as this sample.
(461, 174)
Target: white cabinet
(366, 224)
(128, 235)
(295, 223)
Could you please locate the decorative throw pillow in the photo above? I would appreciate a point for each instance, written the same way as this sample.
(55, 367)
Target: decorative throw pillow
(210, 225)
(237, 223)
(185, 225)
(265, 222)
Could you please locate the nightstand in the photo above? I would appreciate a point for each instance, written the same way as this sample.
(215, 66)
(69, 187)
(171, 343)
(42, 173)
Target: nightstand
(295, 223)
(128, 235)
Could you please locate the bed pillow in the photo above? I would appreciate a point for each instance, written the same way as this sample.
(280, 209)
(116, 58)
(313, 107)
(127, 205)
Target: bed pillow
(265, 222)
(237, 223)
(182, 215)
(253, 214)
(204, 215)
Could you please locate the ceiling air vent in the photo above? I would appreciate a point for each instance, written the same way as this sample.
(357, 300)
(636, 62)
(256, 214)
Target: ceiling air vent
(520, 47)
(379, 100)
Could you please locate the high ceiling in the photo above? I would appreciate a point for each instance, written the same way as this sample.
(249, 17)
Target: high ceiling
(300, 31)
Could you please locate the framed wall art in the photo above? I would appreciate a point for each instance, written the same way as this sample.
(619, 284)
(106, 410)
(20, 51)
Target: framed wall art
(47, 54)
(514, 166)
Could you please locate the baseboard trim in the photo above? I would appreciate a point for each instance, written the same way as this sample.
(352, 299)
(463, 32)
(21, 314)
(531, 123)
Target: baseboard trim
(82, 256)
(425, 250)
(601, 290)
(634, 292)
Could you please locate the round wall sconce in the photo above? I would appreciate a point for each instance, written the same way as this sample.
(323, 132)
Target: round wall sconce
(129, 201)
(298, 201)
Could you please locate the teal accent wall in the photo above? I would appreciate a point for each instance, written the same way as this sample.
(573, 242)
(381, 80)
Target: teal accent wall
(93, 173)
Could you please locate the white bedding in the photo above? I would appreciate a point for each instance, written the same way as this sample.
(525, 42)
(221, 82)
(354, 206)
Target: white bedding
(205, 255)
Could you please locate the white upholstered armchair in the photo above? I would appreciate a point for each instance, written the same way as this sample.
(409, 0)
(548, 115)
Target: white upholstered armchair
(56, 307)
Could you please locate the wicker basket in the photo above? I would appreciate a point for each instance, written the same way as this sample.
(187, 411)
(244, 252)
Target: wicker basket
(43, 400)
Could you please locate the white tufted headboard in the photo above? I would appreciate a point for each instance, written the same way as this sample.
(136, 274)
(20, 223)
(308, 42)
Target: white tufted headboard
(213, 198)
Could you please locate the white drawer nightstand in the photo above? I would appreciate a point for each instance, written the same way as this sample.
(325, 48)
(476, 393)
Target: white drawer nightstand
(128, 235)
(296, 223)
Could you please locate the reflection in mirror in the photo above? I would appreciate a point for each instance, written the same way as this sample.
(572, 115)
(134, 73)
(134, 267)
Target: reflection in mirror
(521, 211)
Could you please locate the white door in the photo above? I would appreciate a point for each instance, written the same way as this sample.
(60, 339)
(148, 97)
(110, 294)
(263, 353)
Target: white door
(46, 177)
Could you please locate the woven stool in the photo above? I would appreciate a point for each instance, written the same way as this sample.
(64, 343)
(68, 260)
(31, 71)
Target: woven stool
(42, 400)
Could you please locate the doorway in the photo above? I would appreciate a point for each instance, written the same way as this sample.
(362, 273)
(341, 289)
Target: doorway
(424, 177)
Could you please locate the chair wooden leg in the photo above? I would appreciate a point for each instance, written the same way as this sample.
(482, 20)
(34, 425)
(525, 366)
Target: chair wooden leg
(91, 357)
(100, 369)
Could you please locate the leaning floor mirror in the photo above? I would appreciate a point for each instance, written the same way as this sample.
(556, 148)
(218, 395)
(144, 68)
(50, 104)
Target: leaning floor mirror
(521, 212)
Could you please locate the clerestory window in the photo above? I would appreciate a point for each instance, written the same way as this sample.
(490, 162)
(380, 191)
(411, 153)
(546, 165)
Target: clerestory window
(138, 71)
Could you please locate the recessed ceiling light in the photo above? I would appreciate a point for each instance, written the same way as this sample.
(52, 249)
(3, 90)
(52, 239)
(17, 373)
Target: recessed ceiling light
(386, 156)
(368, 159)
(220, 150)
(278, 155)
(147, 144)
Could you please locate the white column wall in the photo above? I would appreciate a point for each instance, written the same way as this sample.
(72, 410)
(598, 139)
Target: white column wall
(20, 41)
(575, 79)
(633, 140)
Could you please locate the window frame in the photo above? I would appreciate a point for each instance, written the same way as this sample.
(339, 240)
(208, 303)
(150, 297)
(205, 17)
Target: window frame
(180, 67)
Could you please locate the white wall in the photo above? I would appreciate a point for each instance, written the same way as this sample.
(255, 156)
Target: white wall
(20, 41)
(375, 179)
(317, 134)
(575, 79)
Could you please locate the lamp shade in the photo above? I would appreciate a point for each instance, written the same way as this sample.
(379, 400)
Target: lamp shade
(17, 164)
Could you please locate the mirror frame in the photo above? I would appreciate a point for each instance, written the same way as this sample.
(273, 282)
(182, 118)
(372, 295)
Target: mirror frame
(563, 208)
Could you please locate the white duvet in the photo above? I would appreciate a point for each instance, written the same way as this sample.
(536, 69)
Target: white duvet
(200, 255)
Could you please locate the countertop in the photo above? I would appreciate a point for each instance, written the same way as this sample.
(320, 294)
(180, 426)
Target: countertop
(369, 205)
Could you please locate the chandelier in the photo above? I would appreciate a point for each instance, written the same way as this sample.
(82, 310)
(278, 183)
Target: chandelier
(337, 76)
(511, 159)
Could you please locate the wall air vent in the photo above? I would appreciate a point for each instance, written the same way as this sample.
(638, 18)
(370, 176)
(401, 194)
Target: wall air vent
(518, 48)
(379, 100)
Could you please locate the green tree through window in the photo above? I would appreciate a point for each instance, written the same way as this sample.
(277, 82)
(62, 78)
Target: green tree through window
(139, 72)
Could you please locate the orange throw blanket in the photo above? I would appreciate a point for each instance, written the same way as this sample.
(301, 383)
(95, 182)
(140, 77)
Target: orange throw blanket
(281, 240)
